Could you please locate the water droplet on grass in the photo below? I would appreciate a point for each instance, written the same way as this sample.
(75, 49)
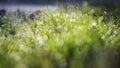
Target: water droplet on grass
(94, 23)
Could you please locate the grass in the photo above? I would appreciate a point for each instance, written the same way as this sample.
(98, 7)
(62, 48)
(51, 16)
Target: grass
(72, 37)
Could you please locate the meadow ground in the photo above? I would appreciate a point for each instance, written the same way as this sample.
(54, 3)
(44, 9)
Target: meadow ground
(73, 37)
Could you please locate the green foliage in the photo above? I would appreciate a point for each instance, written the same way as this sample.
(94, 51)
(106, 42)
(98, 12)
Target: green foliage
(72, 38)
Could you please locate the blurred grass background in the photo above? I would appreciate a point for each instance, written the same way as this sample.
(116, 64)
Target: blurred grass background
(73, 37)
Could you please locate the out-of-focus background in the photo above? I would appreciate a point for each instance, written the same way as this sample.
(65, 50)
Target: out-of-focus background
(50, 1)
(40, 4)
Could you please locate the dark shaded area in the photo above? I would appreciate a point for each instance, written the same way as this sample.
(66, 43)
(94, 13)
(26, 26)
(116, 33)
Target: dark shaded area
(2, 13)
